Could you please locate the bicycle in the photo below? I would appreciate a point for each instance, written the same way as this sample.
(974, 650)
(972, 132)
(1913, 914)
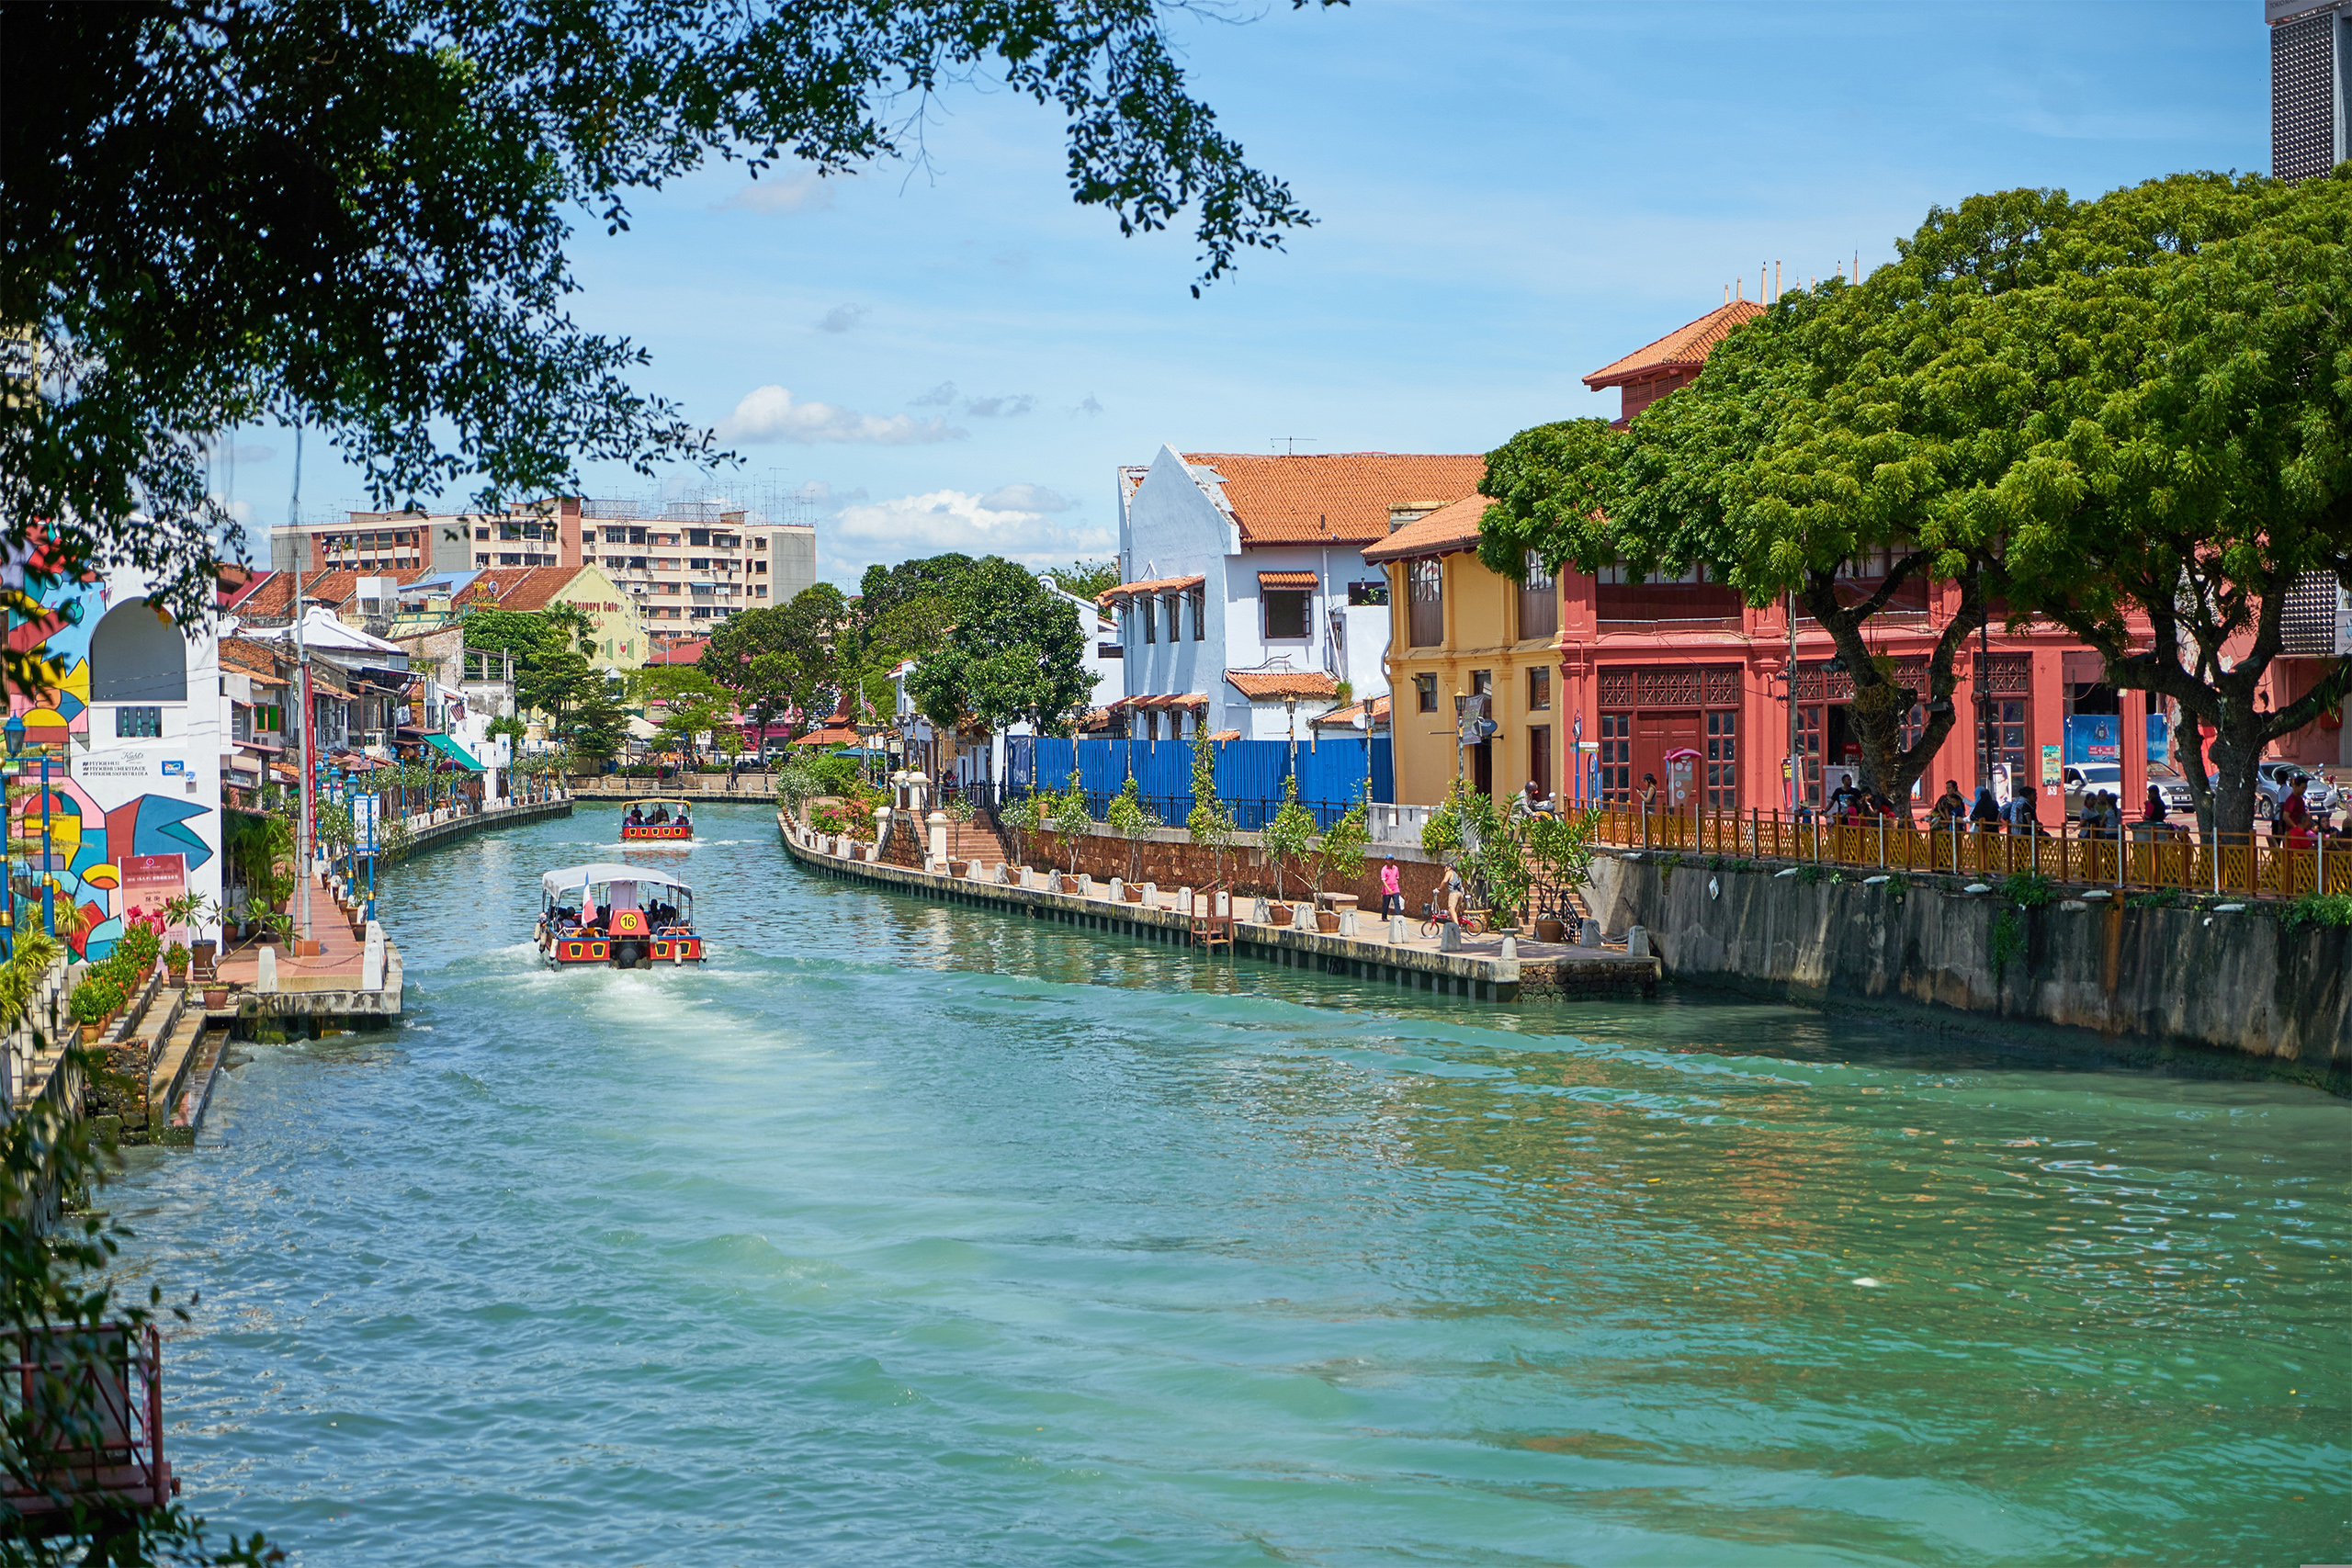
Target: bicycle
(1434, 919)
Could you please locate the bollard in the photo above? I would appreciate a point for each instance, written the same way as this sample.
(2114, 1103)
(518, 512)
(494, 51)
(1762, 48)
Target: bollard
(1396, 929)
(1511, 950)
(1347, 923)
(938, 835)
(1118, 891)
(1449, 937)
(266, 979)
(1222, 904)
(1085, 885)
(1637, 943)
(1258, 914)
(372, 961)
(1185, 901)
(1151, 895)
(1589, 933)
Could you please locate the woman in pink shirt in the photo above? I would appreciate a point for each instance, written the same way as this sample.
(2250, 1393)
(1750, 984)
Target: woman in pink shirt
(1392, 888)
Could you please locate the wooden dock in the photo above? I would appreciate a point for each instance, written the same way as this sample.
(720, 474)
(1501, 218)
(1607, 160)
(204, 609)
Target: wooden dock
(1490, 968)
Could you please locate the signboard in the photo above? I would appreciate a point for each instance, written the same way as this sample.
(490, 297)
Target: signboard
(2093, 737)
(173, 768)
(2053, 771)
(114, 765)
(149, 882)
(2159, 740)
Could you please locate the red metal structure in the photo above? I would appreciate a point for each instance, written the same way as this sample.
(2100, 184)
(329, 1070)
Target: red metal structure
(92, 1399)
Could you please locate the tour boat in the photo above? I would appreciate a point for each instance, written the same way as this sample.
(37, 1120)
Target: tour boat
(676, 829)
(621, 916)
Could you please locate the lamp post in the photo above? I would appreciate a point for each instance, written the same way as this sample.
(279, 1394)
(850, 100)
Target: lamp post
(14, 731)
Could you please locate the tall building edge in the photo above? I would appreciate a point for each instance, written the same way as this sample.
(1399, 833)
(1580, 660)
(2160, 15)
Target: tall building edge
(2310, 53)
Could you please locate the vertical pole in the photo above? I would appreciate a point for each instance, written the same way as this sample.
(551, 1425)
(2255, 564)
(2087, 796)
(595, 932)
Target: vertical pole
(303, 827)
(47, 877)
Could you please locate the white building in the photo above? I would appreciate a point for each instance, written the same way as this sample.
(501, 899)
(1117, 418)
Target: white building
(1244, 600)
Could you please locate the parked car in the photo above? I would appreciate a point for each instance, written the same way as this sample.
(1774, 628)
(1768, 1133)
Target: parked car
(2271, 781)
(2085, 778)
(2171, 785)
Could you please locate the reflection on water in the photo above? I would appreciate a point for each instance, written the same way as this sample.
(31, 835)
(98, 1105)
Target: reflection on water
(903, 1233)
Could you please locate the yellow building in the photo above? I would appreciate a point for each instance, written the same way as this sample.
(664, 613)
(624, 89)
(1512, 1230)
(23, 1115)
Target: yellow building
(1458, 631)
(621, 638)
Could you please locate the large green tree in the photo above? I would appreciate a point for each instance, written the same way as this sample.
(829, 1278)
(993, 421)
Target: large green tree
(1015, 650)
(354, 215)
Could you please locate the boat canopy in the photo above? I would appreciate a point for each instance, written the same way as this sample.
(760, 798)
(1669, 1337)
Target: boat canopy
(678, 801)
(600, 871)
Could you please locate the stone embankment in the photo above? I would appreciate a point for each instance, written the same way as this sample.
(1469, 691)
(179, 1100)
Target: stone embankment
(2210, 974)
(1481, 969)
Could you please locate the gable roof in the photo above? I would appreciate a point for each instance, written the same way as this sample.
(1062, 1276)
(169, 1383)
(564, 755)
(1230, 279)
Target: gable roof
(516, 587)
(249, 656)
(1338, 499)
(1449, 530)
(1685, 348)
(1264, 685)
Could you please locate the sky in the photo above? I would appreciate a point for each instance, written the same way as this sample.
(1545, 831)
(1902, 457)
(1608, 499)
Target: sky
(1507, 196)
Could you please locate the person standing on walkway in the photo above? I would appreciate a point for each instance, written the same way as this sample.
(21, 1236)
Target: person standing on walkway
(1392, 888)
(2295, 815)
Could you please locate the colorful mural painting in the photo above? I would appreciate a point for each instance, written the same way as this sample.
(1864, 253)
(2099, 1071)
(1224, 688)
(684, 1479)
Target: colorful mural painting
(117, 846)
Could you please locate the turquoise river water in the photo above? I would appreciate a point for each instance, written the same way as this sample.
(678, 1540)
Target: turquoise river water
(904, 1234)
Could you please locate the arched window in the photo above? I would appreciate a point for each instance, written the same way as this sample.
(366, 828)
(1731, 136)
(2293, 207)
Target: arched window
(136, 657)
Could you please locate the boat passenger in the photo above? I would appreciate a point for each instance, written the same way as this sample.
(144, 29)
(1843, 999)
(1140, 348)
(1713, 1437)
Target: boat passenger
(684, 820)
(636, 816)
(661, 815)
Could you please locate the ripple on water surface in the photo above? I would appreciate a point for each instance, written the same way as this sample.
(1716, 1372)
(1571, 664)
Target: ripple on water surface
(904, 1234)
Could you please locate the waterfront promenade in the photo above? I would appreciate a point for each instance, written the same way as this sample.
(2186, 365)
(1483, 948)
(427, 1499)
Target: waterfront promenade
(1482, 968)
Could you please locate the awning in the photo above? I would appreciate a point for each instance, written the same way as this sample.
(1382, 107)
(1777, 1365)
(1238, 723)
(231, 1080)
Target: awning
(454, 752)
(1286, 579)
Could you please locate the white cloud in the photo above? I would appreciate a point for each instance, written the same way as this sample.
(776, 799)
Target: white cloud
(841, 318)
(1091, 406)
(939, 396)
(798, 193)
(1026, 498)
(1011, 406)
(954, 520)
(770, 414)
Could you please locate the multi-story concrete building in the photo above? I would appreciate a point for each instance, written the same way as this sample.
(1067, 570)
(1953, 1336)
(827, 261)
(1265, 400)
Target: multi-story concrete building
(693, 564)
(2311, 80)
(544, 533)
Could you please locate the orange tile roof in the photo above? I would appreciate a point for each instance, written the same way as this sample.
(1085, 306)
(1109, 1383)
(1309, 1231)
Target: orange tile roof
(1449, 530)
(1147, 585)
(1685, 348)
(253, 657)
(517, 587)
(1286, 579)
(1166, 700)
(1353, 716)
(1261, 684)
(1225, 734)
(1340, 499)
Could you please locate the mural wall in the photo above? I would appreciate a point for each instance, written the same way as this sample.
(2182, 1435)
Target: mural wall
(134, 799)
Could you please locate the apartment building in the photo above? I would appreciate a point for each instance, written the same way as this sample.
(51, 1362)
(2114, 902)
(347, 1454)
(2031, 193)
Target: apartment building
(696, 563)
(544, 533)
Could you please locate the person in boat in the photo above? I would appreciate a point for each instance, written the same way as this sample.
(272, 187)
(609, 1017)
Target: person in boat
(684, 820)
(636, 816)
(661, 815)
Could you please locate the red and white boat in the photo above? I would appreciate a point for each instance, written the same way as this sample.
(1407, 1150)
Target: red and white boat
(606, 915)
(639, 824)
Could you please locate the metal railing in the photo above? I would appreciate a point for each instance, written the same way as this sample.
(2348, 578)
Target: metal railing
(90, 1402)
(2139, 855)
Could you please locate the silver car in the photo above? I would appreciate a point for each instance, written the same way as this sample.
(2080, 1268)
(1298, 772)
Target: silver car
(2272, 780)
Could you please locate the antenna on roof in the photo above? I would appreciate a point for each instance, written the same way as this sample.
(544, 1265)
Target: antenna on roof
(1289, 443)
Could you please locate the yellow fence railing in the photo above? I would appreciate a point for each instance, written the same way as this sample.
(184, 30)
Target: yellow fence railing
(2147, 856)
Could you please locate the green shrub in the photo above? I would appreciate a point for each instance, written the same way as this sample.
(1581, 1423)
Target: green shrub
(94, 998)
(2029, 889)
(2008, 943)
(2318, 909)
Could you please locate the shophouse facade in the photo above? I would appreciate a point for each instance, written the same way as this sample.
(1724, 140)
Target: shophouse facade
(1244, 599)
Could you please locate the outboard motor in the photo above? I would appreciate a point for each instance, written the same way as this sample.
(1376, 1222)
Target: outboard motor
(631, 955)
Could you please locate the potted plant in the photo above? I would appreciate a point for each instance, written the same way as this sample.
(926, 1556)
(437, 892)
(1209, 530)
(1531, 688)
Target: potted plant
(1129, 818)
(1289, 835)
(1339, 853)
(91, 1003)
(176, 964)
(140, 945)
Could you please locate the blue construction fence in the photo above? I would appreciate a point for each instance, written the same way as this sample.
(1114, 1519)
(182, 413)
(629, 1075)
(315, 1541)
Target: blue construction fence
(1332, 774)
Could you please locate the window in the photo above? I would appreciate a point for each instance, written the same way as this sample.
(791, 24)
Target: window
(268, 718)
(240, 722)
(761, 591)
(1539, 600)
(1200, 613)
(617, 535)
(1174, 603)
(698, 536)
(1539, 690)
(760, 566)
(637, 536)
(1147, 612)
(1425, 694)
(1361, 594)
(1722, 782)
(1616, 757)
(1539, 757)
(138, 723)
(1285, 613)
(481, 532)
(698, 563)
(2009, 742)
(482, 561)
(1482, 685)
(1425, 595)
(761, 543)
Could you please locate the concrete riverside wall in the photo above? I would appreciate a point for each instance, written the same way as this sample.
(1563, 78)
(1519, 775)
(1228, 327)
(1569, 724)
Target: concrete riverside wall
(2237, 982)
(483, 821)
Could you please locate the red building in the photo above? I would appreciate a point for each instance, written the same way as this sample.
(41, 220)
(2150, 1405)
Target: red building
(1685, 681)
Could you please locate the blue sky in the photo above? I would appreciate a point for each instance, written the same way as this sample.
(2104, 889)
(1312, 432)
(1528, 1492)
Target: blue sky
(1507, 195)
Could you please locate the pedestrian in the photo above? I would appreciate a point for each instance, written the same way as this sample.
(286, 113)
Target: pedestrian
(2295, 815)
(1986, 815)
(1648, 792)
(1950, 807)
(2025, 818)
(1392, 888)
(2154, 810)
(1453, 895)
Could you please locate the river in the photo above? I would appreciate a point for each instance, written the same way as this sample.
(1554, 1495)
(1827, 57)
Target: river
(904, 1234)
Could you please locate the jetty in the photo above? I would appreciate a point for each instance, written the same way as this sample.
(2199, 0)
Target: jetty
(1479, 968)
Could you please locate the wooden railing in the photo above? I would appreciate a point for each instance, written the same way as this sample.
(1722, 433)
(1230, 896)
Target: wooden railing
(2143, 856)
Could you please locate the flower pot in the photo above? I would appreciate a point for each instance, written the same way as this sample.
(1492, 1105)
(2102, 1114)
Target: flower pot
(1131, 894)
(215, 998)
(1549, 930)
(1327, 920)
(90, 1034)
(1278, 914)
(201, 955)
(180, 977)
